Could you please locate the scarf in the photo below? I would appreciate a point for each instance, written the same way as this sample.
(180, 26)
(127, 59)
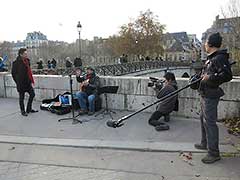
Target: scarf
(89, 76)
(29, 71)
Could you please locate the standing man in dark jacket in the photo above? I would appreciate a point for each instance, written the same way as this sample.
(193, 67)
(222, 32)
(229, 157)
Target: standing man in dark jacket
(89, 85)
(165, 107)
(22, 75)
(216, 71)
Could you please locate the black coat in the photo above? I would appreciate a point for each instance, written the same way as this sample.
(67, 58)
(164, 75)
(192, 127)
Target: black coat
(93, 86)
(20, 75)
(170, 104)
(218, 68)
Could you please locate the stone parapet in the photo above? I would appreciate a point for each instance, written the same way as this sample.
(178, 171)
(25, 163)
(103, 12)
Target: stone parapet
(133, 93)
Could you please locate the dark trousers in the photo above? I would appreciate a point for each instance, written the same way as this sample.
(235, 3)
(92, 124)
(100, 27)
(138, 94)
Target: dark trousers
(154, 119)
(30, 100)
(209, 128)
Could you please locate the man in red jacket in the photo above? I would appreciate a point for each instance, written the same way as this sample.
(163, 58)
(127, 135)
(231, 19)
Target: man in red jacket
(22, 75)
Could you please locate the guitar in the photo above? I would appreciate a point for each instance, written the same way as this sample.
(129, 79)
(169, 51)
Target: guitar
(83, 85)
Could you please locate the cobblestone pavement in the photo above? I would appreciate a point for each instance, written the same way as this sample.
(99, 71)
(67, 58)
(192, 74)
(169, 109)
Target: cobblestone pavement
(23, 171)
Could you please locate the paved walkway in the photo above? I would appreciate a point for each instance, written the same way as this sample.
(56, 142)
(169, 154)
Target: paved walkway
(67, 163)
(45, 125)
(39, 147)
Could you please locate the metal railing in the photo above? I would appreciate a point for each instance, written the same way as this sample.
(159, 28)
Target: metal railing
(120, 69)
(128, 68)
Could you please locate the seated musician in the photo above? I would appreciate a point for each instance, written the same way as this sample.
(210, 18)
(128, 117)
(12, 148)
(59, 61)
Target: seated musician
(89, 85)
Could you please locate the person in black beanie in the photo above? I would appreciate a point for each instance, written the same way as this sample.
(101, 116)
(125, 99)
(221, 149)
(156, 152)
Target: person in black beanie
(216, 71)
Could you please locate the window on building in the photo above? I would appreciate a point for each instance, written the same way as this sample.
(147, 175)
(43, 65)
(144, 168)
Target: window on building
(175, 58)
(179, 57)
(225, 30)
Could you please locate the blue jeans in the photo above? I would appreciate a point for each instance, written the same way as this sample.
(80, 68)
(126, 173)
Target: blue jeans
(208, 117)
(83, 98)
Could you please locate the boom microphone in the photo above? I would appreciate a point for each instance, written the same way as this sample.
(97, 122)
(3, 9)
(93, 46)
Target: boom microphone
(119, 122)
(112, 123)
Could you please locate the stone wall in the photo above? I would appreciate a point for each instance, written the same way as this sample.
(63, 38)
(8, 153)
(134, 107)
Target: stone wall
(132, 95)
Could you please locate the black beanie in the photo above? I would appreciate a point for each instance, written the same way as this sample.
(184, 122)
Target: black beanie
(90, 68)
(215, 40)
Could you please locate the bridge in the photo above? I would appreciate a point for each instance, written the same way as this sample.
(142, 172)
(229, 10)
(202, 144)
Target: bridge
(121, 69)
(128, 68)
(59, 150)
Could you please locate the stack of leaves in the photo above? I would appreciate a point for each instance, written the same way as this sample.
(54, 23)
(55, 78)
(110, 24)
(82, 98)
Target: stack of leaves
(186, 157)
(233, 125)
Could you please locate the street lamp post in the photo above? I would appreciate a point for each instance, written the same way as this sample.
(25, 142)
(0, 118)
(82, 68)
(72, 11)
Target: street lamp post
(137, 54)
(79, 28)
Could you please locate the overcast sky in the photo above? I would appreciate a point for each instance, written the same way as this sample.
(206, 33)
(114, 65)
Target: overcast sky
(58, 18)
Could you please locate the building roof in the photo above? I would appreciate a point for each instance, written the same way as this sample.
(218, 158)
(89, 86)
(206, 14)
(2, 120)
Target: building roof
(179, 42)
(181, 36)
(35, 36)
(176, 46)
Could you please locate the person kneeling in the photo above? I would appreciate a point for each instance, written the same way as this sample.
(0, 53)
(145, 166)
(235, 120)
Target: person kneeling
(164, 108)
(89, 85)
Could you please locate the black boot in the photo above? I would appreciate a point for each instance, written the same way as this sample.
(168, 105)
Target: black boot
(209, 159)
(32, 111)
(200, 146)
(162, 127)
(24, 113)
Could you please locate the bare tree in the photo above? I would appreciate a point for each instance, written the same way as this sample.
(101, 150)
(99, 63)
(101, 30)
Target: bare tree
(232, 13)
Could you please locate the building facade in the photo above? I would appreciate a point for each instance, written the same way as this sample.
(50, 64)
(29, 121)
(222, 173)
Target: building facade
(229, 28)
(180, 46)
(33, 42)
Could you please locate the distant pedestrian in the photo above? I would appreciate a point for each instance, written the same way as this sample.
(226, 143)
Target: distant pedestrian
(40, 64)
(49, 64)
(119, 60)
(77, 62)
(53, 63)
(22, 75)
(68, 62)
(124, 58)
(147, 58)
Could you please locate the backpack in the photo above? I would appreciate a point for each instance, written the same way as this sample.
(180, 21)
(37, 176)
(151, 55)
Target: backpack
(225, 73)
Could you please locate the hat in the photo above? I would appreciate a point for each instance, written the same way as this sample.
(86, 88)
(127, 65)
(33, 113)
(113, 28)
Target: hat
(215, 40)
(90, 68)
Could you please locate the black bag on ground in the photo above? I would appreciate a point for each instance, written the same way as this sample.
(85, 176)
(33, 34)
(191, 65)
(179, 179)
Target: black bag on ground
(60, 110)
